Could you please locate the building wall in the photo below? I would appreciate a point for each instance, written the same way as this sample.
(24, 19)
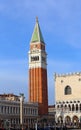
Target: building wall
(10, 112)
(73, 80)
(68, 105)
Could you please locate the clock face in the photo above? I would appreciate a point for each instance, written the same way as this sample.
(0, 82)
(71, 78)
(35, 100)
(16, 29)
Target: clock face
(35, 46)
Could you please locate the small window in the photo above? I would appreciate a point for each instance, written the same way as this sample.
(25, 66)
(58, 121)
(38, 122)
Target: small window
(79, 79)
(67, 90)
(61, 81)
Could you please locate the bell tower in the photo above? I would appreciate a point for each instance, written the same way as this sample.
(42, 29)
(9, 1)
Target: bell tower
(38, 90)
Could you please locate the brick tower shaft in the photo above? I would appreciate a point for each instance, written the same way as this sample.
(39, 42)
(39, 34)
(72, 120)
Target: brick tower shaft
(38, 91)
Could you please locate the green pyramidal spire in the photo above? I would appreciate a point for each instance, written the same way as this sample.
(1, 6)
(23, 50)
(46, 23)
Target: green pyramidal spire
(37, 35)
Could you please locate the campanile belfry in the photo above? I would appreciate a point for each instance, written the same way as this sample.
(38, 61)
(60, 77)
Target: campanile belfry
(38, 90)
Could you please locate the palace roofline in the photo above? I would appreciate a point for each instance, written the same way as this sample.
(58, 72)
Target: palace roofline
(67, 74)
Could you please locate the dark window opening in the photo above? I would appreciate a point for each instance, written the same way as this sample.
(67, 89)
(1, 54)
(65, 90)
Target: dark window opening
(35, 58)
(67, 90)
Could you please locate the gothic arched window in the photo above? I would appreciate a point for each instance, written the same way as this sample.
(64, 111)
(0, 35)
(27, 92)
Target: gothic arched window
(67, 90)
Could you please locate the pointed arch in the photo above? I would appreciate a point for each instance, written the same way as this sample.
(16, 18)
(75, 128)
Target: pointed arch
(67, 120)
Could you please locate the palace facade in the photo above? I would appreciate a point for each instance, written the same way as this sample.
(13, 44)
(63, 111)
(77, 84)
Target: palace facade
(68, 98)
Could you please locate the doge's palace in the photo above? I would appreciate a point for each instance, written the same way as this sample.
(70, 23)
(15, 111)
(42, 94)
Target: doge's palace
(68, 98)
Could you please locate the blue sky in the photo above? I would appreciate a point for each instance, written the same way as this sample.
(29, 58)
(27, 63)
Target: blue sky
(60, 22)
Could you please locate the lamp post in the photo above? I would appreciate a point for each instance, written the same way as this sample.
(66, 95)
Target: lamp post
(21, 109)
